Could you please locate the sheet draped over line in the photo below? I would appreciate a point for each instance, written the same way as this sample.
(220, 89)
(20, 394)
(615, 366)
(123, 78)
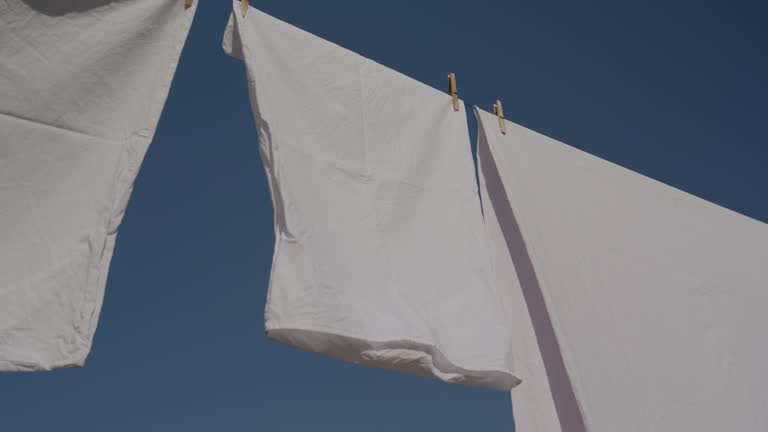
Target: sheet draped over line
(380, 255)
(82, 85)
(622, 303)
(646, 303)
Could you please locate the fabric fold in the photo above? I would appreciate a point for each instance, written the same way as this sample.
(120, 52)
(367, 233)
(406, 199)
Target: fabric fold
(647, 303)
(380, 255)
(82, 85)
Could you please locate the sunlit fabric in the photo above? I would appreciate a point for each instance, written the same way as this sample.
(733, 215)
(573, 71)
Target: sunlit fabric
(82, 85)
(647, 304)
(380, 254)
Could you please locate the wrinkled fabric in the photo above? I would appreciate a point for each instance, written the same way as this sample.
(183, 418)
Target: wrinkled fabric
(648, 304)
(82, 85)
(380, 255)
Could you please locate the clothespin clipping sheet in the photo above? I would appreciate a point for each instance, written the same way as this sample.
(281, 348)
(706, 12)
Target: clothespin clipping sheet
(498, 109)
(188, 4)
(453, 90)
(244, 7)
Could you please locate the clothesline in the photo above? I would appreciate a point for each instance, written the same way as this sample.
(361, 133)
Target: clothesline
(605, 300)
(498, 109)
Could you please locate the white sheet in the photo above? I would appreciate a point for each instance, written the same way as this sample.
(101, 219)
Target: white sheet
(656, 298)
(534, 406)
(380, 255)
(82, 85)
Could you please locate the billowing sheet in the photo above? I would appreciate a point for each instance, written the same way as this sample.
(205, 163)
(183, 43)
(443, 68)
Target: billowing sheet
(82, 85)
(648, 304)
(380, 254)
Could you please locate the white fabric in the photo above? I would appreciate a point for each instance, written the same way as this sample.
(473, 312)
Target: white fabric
(380, 255)
(534, 408)
(657, 299)
(82, 84)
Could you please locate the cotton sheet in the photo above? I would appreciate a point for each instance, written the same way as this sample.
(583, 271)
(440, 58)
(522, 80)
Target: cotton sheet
(82, 85)
(533, 400)
(380, 255)
(648, 304)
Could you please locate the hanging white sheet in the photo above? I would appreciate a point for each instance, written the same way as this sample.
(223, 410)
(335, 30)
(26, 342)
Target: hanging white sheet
(82, 85)
(534, 406)
(380, 254)
(648, 304)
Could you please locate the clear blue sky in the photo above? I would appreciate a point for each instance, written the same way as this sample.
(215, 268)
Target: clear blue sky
(674, 90)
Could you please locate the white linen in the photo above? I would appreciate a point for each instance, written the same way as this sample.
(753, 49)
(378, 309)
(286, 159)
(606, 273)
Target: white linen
(380, 255)
(533, 402)
(82, 85)
(656, 298)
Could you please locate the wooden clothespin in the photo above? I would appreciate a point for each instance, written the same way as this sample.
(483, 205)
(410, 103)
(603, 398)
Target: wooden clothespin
(499, 111)
(244, 7)
(453, 91)
(188, 4)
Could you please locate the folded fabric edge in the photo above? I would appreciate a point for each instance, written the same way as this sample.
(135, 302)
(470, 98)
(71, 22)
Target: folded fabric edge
(15, 366)
(230, 42)
(558, 382)
(397, 355)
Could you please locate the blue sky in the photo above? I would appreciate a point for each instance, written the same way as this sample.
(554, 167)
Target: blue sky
(677, 92)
